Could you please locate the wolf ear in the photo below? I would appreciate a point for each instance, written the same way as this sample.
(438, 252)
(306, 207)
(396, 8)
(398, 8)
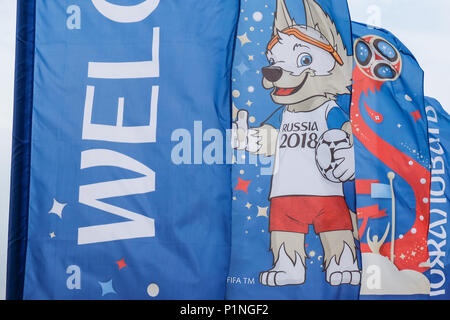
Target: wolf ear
(282, 18)
(316, 18)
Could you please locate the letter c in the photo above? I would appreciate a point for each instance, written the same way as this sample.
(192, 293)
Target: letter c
(126, 14)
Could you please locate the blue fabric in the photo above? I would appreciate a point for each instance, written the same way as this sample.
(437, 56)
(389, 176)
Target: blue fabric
(336, 118)
(439, 134)
(275, 118)
(20, 164)
(186, 255)
(391, 147)
(251, 208)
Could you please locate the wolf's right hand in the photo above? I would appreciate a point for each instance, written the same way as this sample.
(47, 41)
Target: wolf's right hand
(239, 131)
(260, 140)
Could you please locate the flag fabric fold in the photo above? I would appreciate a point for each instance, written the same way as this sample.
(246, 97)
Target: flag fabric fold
(101, 206)
(439, 140)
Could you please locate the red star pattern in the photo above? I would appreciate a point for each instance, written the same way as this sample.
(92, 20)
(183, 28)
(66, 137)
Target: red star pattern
(121, 263)
(242, 185)
(416, 114)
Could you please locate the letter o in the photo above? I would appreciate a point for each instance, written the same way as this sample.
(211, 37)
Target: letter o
(126, 14)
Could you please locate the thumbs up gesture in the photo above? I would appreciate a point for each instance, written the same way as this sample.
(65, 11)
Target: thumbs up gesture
(239, 131)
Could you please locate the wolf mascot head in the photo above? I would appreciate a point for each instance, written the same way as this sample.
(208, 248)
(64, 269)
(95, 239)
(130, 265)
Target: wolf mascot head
(309, 64)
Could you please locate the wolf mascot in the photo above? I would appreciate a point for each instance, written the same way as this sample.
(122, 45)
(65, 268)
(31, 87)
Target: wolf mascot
(309, 67)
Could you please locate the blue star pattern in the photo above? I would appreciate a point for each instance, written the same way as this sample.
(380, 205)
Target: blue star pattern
(242, 68)
(107, 287)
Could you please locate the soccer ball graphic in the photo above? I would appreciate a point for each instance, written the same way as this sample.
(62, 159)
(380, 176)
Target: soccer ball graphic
(377, 58)
(328, 143)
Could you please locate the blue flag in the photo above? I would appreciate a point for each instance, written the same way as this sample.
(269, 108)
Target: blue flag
(291, 83)
(391, 144)
(381, 191)
(108, 202)
(439, 135)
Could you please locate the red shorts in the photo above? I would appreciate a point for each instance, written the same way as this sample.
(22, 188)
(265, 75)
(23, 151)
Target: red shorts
(296, 213)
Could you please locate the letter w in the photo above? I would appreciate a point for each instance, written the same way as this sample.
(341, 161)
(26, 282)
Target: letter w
(140, 226)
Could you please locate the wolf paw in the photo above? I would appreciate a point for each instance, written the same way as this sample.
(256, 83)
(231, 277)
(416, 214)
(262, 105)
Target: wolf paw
(346, 272)
(285, 272)
(346, 277)
(280, 278)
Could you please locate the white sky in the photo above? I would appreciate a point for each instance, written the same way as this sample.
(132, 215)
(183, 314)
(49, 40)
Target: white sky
(424, 27)
(427, 40)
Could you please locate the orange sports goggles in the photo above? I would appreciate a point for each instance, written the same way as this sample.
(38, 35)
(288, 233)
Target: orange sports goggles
(299, 35)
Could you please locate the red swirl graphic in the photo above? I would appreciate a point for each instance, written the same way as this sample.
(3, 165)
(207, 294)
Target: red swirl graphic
(410, 250)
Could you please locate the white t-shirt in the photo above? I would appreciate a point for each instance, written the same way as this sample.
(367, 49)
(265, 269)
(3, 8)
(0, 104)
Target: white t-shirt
(295, 169)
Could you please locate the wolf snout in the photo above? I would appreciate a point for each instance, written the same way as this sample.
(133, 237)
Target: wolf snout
(272, 74)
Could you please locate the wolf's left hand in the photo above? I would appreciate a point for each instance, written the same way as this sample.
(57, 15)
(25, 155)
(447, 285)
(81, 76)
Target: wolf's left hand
(345, 170)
